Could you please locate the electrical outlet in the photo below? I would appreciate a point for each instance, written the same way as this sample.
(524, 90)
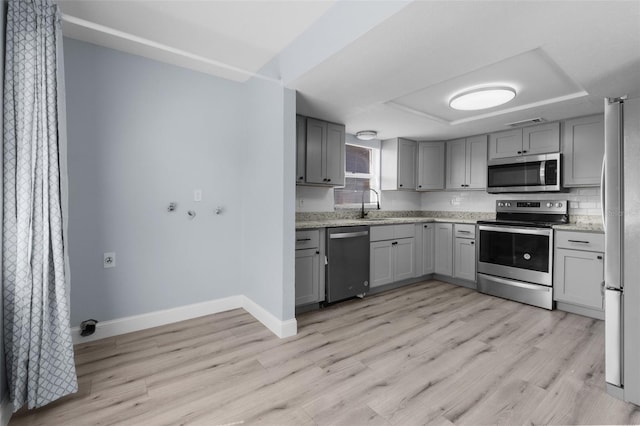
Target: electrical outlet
(300, 202)
(197, 195)
(109, 260)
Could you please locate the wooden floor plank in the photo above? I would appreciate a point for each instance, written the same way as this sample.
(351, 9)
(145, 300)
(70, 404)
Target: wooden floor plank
(428, 353)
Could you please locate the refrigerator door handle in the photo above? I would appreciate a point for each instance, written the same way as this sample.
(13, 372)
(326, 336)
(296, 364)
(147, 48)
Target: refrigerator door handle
(602, 205)
(613, 337)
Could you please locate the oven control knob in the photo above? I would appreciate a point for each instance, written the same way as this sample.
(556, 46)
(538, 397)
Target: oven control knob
(500, 204)
(558, 204)
(549, 205)
(507, 204)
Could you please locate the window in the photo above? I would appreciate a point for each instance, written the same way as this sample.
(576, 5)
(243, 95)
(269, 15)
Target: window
(362, 172)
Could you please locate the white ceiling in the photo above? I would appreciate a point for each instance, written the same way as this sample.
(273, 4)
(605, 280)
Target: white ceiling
(391, 65)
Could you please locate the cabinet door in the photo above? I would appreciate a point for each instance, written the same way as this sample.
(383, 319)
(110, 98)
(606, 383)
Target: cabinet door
(301, 148)
(456, 164)
(582, 150)
(505, 144)
(431, 166)
(406, 164)
(381, 263)
(541, 139)
(428, 232)
(444, 249)
(578, 276)
(465, 259)
(335, 155)
(404, 259)
(477, 162)
(316, 140)
(307, 276)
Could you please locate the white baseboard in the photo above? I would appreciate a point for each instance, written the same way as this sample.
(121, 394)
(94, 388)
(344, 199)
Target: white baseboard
(6, 410)
(124, 325)
(280, 328)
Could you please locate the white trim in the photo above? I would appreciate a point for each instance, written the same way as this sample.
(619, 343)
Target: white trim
(6, 410)
(280, 328)
(130, 324)
(159, 46)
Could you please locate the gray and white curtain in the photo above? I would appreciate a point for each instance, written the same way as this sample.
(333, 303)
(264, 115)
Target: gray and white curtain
(37, 338)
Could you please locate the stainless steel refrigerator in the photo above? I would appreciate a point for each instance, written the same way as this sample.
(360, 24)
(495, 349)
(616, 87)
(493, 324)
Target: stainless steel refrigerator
(621, 216)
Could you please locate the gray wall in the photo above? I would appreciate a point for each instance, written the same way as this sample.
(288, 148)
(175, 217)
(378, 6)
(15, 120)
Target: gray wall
(141, 134)
(269, 197)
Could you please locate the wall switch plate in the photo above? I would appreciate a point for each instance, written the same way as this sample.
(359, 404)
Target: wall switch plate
(109, 260)
(197, 195)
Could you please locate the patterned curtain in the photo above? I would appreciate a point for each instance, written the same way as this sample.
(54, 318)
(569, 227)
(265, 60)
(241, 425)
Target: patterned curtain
(37, 338)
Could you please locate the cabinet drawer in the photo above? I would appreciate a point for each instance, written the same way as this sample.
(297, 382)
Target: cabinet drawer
(464, 230)
(580, 240)
(307, 239)
(381, 233)
(404, 231)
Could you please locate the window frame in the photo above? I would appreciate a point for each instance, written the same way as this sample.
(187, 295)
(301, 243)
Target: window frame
(373, 176)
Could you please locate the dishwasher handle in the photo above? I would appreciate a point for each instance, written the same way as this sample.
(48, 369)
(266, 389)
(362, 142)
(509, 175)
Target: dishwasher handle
(349, 235)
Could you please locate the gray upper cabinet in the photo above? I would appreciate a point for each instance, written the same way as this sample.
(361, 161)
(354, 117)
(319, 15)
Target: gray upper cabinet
(398, 164)
(540, 139)
(430, 171)
(505, 144)
(324, 153)
(301, 148)
(467, 163)
(583, 150)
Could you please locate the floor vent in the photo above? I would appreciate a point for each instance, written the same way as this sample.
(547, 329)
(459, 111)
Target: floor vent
(526, 122)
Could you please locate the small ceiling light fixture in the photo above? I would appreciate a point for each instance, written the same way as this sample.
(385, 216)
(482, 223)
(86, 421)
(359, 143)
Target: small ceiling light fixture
(366, 135)
(482, 98)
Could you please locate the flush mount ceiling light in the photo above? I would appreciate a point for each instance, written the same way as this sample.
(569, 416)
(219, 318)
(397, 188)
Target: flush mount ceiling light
(366, 135)
(482, 98)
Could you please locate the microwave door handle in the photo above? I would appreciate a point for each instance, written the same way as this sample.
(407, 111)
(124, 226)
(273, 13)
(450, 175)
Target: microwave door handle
(542, 173)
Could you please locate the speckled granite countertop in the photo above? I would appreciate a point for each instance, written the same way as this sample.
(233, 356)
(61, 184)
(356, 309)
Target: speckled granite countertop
(329, 220)
(330, 223)
(581, 227)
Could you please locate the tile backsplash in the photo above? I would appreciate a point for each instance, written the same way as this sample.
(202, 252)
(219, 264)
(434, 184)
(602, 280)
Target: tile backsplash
(582, 201)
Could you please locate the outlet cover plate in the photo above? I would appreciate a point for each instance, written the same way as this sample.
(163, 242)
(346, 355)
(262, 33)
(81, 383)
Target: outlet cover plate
(109, 260)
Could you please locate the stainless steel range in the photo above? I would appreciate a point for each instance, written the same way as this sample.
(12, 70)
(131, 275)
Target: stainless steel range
(515, 251)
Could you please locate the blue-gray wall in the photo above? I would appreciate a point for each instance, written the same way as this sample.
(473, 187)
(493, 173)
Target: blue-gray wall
(142, 134)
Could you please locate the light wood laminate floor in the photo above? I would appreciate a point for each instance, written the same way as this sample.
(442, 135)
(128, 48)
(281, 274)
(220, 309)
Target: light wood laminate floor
(430, 353)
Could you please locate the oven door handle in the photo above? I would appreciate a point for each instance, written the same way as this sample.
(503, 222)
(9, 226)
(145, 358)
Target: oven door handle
(535, 287)
(516, 230)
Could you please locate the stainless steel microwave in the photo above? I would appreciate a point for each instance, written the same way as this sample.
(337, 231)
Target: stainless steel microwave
(529, 173)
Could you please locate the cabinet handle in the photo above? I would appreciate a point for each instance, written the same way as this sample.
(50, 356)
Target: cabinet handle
(317, 252)
(599, 257)
(426, 226)
(525, 151)
(602, 288)
(462, 185)
(419, 186)
(304, 239)
(301, 177)
(519, 152)
(463, 232)
(400, 185)
(578, 241)
(394, 243)
(328, 180)
(472, 242)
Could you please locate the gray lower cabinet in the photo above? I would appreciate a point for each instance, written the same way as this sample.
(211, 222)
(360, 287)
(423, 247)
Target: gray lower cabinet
(464, 253)
(309, 267)
(425, 239)
(443, 259)
(392, 254)
(583, 150)
(579, 271)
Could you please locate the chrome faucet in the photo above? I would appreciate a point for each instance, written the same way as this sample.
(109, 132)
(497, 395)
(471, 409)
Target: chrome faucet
(363, 214)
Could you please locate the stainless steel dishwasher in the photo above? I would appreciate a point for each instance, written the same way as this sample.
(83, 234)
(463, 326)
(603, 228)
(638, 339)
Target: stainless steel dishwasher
(347, 262)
